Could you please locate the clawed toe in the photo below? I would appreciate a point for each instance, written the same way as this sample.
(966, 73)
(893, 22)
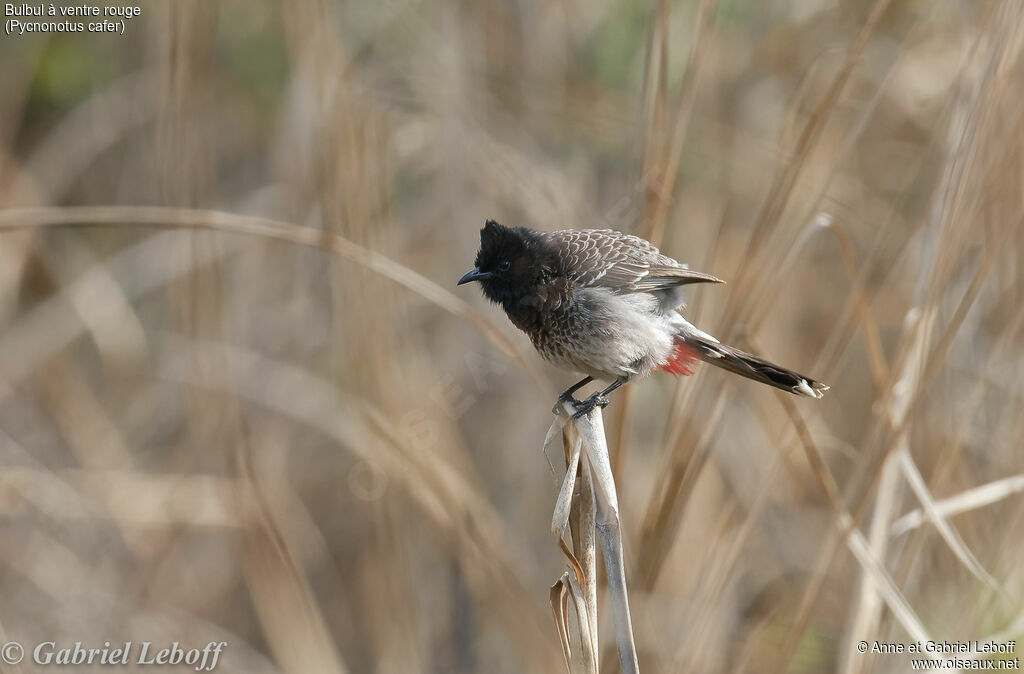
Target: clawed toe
(560, 403)
(583, 408)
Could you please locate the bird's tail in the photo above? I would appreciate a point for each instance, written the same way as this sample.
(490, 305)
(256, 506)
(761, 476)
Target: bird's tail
(708, 349)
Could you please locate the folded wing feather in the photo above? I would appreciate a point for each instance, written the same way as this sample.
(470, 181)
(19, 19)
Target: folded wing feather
(622, 262)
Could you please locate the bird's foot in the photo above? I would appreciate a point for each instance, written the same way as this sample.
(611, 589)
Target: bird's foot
(584, 407)
(566, 397)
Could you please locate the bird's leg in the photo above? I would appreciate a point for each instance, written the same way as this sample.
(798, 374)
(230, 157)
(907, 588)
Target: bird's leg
(566, 395)
(597, 400)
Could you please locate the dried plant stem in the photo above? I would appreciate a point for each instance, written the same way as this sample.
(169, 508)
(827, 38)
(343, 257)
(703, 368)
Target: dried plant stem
(598, 509)
(186, 218)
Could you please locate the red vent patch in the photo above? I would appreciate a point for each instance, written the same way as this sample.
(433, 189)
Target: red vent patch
(682, 361)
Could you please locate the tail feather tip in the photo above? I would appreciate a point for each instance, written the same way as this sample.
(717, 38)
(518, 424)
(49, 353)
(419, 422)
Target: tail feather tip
(810, 388)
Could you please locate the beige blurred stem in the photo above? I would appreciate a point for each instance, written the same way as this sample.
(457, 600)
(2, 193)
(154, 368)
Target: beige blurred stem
(13, 219)
(598, 512)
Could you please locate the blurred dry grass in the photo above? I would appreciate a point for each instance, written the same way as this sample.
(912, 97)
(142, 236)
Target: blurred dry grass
(261, 414)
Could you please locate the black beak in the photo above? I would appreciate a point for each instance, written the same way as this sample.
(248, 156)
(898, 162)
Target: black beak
(474, 274)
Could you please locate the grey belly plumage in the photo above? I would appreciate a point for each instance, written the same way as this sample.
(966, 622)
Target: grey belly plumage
(607, 336)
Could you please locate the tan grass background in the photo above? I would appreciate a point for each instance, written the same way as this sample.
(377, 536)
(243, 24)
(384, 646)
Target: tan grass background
(242, 400)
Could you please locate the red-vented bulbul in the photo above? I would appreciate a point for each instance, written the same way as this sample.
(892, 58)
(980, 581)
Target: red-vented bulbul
(603, 304)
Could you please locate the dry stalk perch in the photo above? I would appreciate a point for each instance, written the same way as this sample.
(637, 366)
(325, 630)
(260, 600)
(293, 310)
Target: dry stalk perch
(590, 510)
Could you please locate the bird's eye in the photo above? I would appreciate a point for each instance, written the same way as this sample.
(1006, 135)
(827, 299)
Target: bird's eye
(505, 266)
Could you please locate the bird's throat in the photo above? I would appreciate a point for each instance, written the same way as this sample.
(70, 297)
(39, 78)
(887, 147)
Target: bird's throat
(526, 312)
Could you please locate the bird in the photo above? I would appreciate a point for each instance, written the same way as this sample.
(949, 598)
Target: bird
(605, 304)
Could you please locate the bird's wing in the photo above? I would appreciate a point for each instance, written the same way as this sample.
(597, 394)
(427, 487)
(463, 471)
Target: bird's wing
(621, 262)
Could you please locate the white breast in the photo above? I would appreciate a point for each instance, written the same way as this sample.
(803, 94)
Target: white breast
(621, 335)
